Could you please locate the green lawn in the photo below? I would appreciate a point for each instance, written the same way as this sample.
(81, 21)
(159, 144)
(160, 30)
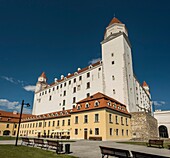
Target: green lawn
(11, 151)
(143, 143)
(7, 138)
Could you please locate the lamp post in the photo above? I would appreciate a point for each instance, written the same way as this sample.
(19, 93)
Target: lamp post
(22, 105)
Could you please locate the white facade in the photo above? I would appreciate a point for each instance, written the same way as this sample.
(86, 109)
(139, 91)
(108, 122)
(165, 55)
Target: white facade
(112, 76)
(163, 118)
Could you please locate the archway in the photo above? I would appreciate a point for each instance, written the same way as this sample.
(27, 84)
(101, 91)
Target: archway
(163, 131)
(6, 133)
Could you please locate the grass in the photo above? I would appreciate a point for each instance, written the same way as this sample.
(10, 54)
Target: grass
(143, 143)
(11, 151)
(8, 138)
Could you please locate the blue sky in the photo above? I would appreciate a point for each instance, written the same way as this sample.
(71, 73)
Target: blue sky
(58, 36)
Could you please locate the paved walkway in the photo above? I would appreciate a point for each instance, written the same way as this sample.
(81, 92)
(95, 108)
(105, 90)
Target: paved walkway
(90, 149)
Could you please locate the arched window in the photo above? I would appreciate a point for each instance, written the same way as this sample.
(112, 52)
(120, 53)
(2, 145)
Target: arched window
(163, 131)
(87, 105)
(96, 103)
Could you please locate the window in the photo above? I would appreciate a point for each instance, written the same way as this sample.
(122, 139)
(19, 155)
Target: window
(74, 80)
(64, 94)
(49, 90)
(69, 82)
(88, 94)
(111, 131)
(87, 105)
(74, 99)
(114, 92)
(110, 118)
(122, 121)
(112, 54)
(76, 131)
(50, 98)
(116, 118)
(65, 84)
(49, 124)
(53, 88)
(53, 123)
(45, 124)
(88, 74)
(126, 121)
(96, 119)
(99, 68)
(74, 90)
(7, 125)
(58, 123)
(127, 132)
(68, 122)
(80, 78)
(113, 77)
(122, 132)
(113, 62)
(96, 131)
(15, 126)
(117, 132)
(45, 92)
(64, 102)
(78, 87)
(88, 85)
(76, 119)
(57, 87)
(40, 124)
(36, 124)
(63, 122)
(96, 103)
(85, 118)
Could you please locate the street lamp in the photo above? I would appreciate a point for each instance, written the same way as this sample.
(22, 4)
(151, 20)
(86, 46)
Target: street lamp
(22, 105)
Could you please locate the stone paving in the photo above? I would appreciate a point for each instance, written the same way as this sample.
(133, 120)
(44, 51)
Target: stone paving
(90, 149)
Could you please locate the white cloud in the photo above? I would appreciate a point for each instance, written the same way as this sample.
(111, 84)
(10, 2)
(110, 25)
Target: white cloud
(12, 106)
(10, 79)
(30, 88)
(94, 61)
(159, 103)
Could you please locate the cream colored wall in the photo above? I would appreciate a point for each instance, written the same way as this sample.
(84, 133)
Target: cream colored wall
(120, 126)
(90, 125)
(12, 129)
(33, 130)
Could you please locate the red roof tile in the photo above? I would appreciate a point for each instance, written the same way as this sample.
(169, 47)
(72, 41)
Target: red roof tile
(115, 20)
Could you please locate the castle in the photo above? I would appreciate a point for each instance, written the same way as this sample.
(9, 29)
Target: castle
(112, 76)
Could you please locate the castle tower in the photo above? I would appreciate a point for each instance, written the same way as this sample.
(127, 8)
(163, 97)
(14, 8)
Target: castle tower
(146, 88)
(42, 82)
(117, 64)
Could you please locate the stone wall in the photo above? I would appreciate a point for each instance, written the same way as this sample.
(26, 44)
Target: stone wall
(144, 126)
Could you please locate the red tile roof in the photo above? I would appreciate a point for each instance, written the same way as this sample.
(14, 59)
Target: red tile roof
(105, 102)
(6, 116)
(43, 75)
(145, 84)
(115, 20)
(80, 71)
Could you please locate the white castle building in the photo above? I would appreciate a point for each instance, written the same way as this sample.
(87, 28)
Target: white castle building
(112, 76)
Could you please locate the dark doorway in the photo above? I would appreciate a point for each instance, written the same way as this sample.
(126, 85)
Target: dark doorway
(85, 133)
(163, 132)
(6, 133)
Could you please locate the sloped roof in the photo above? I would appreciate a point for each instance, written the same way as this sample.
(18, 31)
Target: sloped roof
(43, 75)
(114, 20)
(145, 84)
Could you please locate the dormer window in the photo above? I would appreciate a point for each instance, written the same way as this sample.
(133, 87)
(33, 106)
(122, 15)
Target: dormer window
(109, 103)
(76, 73)
(56, 114)
(61, 113)
(90, 66)
(78, 107)
(87, 105)
(96, 103)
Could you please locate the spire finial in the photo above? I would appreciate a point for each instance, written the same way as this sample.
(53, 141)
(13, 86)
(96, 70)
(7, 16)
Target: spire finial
(114, 15)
